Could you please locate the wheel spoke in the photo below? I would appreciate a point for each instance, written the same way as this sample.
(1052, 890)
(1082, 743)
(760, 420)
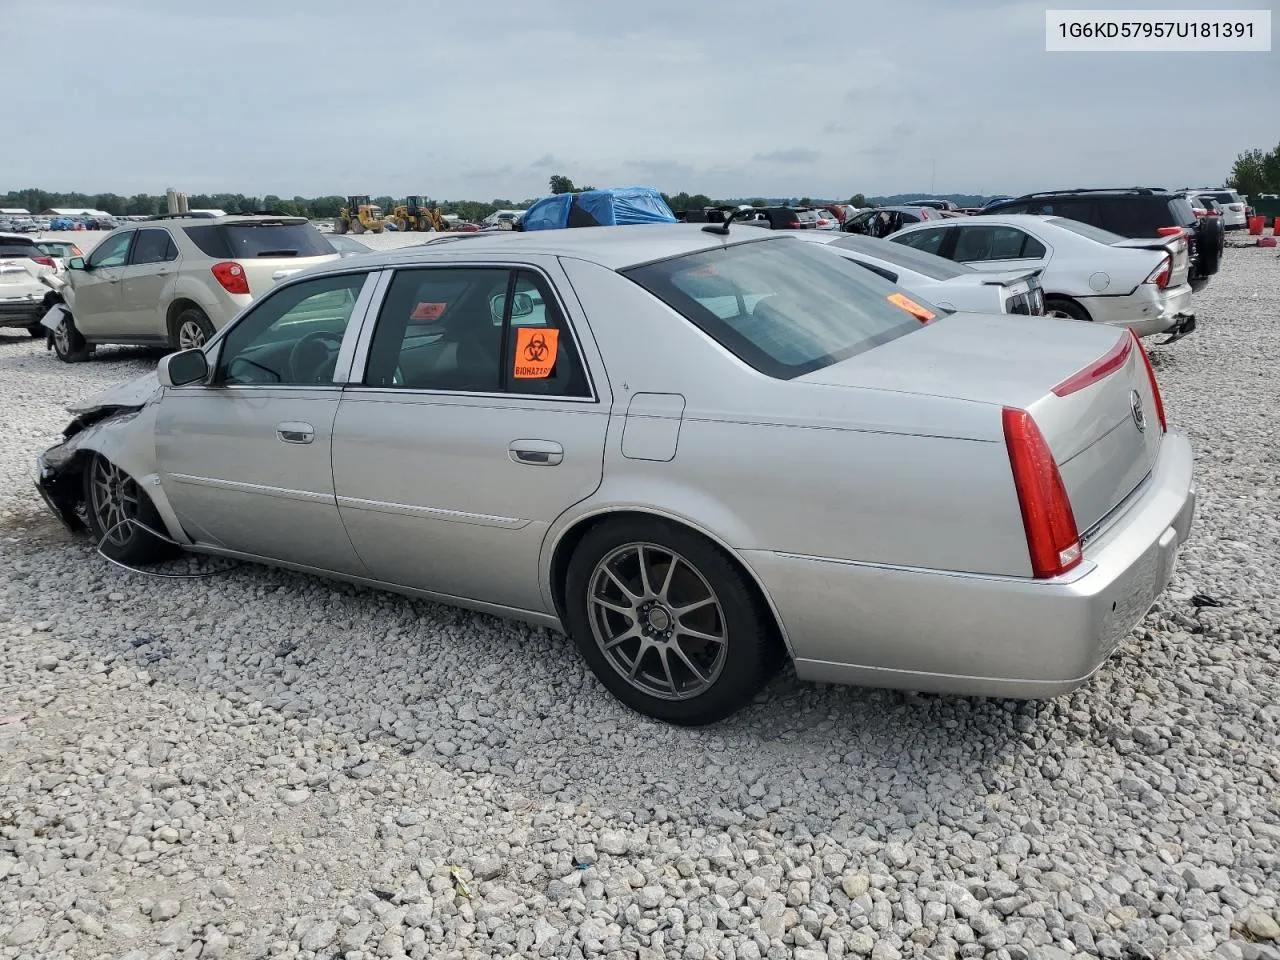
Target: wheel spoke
(684, 631)
(645, 647)
(608, 604)
(631, 633)
(665, 589)
(690, 607)
(684, 658)
(627, 591)
(643, 562)
(666, 668)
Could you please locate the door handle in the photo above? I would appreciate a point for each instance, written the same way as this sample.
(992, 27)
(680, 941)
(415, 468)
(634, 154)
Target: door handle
(295, 432)
(536, 453)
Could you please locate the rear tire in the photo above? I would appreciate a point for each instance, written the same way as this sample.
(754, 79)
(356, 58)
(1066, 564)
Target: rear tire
(190, 329)
(341, 225)
(112, 499)
(698, 644)
(67, 342)
(1065, 309)
(357, 227)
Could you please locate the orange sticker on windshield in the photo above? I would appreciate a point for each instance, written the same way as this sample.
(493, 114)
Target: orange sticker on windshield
(536, 349)
(428, 311)
(909, 305)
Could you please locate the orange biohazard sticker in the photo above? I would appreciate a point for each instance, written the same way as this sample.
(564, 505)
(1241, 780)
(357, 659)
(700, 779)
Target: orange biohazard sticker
(536, 349)
(428, 311)
(909, 305)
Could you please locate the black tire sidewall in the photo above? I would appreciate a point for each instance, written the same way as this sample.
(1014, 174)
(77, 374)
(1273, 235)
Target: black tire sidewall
(141, 547)
(753, 647)
(77, 350)
(1070, 307)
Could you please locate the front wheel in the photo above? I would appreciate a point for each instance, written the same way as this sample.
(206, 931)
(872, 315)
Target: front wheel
(667, 622)
(67, 342)
(118, 513)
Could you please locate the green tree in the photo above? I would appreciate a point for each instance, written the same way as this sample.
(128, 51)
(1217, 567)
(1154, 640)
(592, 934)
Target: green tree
(562, 184)
(1249, 173)
(858, 200)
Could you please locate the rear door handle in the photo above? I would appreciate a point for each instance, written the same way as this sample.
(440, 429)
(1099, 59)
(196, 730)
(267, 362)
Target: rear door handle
(295, 431)
(536, 453)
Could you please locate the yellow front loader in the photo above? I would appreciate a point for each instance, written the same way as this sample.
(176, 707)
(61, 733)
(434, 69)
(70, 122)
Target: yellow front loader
(359, 216)
(413, 215)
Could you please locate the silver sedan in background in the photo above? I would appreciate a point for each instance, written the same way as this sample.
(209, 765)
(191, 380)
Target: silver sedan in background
(699, 451)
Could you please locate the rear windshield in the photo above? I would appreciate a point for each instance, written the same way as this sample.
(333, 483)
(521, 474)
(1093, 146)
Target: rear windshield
(17, 248)
(1086, 230)
(1223, 197)
(933, 267)
(781, 306)
(235, 241)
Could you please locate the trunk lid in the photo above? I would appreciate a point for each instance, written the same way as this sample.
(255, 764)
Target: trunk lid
(1178, 248)
(1081, 383)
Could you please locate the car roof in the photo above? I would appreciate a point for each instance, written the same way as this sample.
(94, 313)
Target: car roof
(199, 220)
(613, 247)
(25, 238)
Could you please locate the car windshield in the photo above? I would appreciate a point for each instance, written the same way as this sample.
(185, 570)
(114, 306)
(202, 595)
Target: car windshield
(1085, 230)
(782, 306)
(275, 240)
(926, 264)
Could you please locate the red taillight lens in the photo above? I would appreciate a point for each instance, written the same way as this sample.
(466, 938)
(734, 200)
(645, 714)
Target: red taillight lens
(1170, 231)
(1155, 387)
(46, 262)
(1107, 364)
(231, 276)
(1160, 275)
(75, 252)
(924, 214)
(1053, 541)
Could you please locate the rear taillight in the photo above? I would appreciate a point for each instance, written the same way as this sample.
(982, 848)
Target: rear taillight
(1107, 364)
(1160, 275)
(231, 276)
(75, 252)
(1170, 231)
(1053, 541)
(924, 214)
(45, 262)
(1155, 387)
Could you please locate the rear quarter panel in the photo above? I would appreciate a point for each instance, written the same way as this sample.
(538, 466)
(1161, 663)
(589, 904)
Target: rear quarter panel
(875, 476)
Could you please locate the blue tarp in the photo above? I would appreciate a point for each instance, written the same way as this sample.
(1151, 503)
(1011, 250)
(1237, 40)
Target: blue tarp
(598, 208)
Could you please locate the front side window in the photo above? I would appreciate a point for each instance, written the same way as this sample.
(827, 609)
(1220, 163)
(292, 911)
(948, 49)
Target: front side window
(112, 252)
(781, 306)
(153, 246)
(293, 336)
(927, 241)
(474, 330)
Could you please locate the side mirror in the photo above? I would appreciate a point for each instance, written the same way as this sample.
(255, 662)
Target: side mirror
(183, 368)
(521, 306)
(76, 263)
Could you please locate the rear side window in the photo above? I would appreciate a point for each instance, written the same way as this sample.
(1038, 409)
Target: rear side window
(209, 240)
(780, 306)
(1140, 216)
(1181, 210)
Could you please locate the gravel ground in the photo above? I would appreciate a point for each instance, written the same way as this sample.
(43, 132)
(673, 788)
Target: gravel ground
(266, 764)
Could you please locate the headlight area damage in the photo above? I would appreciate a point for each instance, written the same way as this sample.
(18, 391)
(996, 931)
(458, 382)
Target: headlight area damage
(104, 423)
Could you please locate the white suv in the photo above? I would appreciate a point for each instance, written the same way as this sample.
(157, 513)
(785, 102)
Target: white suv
(1232, 204)
(175, 279)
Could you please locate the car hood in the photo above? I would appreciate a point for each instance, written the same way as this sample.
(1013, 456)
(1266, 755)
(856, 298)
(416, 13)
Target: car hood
(133, 394)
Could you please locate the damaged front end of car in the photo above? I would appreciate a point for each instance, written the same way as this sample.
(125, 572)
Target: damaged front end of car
(100, 424)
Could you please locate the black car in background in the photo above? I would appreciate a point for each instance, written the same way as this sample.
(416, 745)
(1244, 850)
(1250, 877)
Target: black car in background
(1132, 212)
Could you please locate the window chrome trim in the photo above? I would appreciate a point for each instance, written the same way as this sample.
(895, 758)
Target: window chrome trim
(375, 285)
(361, 358)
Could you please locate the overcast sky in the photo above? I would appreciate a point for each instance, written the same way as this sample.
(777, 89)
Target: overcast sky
(487, 99)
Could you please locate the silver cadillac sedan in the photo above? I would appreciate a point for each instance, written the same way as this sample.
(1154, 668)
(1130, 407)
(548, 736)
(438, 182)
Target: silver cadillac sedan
(698, 451)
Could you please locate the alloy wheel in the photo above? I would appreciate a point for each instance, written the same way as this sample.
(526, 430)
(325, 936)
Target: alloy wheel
(62, 338)
(114, 497)
(190, 335)
(657, 621)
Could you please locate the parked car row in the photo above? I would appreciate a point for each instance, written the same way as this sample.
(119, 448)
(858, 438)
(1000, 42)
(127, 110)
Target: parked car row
(479, 420)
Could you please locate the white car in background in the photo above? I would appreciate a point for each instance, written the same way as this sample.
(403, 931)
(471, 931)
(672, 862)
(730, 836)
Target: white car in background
(59, 251)
(1232, 205)
(22, 291)
(940, 282)
(1087, 273)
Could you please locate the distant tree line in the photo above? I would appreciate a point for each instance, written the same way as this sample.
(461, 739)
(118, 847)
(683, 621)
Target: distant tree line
(1256, 172)
(142, 204)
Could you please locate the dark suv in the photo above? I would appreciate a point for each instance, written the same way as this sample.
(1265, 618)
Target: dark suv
(1131, 212)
